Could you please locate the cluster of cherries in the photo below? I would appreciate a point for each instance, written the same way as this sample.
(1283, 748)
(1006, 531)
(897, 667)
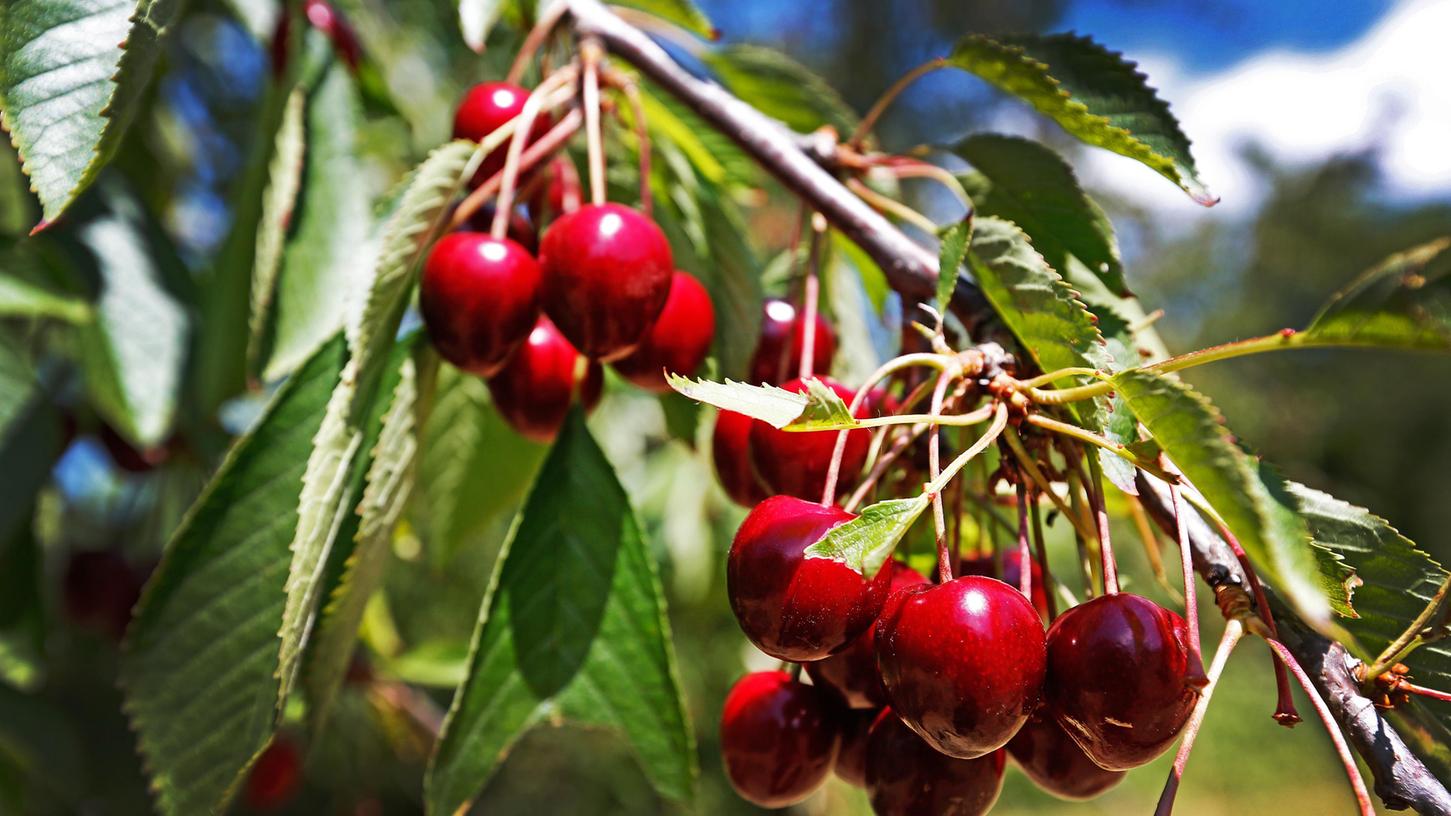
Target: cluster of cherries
(920, 691)
(537, 321)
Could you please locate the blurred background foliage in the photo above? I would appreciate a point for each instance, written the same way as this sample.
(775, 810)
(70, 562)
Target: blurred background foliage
(1371, 428)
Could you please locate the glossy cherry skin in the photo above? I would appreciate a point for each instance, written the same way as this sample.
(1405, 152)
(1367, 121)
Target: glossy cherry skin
(1054, 761)
(1118, 678)
(778, 737)
(852, 672)
(783, 337)
(607, 275)
(679, 340)
(851, 760)
(730, 447)
(480, 298)
(908, 777)
(796, 462)
(963, 663)
(484, 109)
(1009, 567)
(275, 776)
(793, 607)
(534, 390)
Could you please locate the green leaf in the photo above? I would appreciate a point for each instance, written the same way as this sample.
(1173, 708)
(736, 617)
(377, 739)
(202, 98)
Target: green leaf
(949, 261)
(30, 436)
(200, 660)
(573, 627)
(682, 417)
(71, 75)
(1027, 183)
(1252, 500)
(279, 199)
(1404, 302)
(476, 18)
(440, 664)
(324, 504)
(825, 411)
(683, 13)
(1092, 92)
(776, 407)
(867, 541)
(781, 88)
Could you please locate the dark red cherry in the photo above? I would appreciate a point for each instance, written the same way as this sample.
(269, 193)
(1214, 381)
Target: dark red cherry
(1119, 678)
(1009, 567)
(275, 776)
(851, 760)
(908, 777)
(783, 337)
(678, 341)
(730, 447)
(607, 272)
(486, 107)
(1053, 760)
(963, 663)
(852, 672)
(796, 462)
(535, 388)
(778, 737)
(520, 230)
(99, 589)
(793, 607)
(480, 298)
(127, 456)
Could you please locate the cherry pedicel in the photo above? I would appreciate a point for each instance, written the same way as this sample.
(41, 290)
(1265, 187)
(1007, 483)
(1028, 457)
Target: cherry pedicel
(1054, 761)
(783, 338)
(963, 663)
(607, 275)
(480, 298)
(793, 607)
(678, 341)
(908, 777)
(1118, 678)
(730, 446)
(520, 229)
(796, 463)
(535, 388)
(852, 672)
(779, 738)
(485, 108)
(275, 776)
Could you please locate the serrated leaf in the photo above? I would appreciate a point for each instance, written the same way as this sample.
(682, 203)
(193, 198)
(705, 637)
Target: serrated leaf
(199, 663)
(30, 436)
(324, 504)
(776, 407)
(867, 541)
(476, 19)
(71, 74)
(573, 627)
(825, 411)
(949, 261)
(1251, 499)
(1032, 186)
(781, 88)
(683, 13)
(284, 179)
(1091, 92)
(1403, 302)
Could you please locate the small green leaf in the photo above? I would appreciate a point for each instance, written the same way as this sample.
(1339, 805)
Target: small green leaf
(682, 417)
(867, 541)
(949, 262)
(1404, 302)
(776, 407)
(279, 199)
(30, 436)
(825, 410)
(1092, 92)
(476, 18)
(683, 13)
(26, 291)
(573, 628)
(781, 88)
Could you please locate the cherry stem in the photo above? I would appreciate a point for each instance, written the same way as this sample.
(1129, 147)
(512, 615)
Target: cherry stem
(1025, 552)
(810, 301)
(879, 468)
(415, 704)
(1357, 783)
(888, 96)
(1044, 486)
(1041, 545)
(570, 194)
(1434, 694)
(1151, 548)
(1000, 422)
(1094, 489)
(1233, 631)
(934, 469)
(1191, 602)
(522, 126)
(903, 167)
(535, 38)
(1085, 435)
(537, 151)
(891, 206)
(642, 133)
(1424, 629)
(590, 53)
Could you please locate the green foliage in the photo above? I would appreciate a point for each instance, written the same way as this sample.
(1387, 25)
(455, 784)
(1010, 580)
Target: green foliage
(949, 260)
(1405, 302)
(476, 18)
(775, 406)
(682, 13)
(782, 88)
(867, 541)
(284, 180)
(572, 628)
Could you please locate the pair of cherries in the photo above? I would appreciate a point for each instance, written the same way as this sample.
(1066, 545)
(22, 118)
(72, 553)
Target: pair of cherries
(603, 289)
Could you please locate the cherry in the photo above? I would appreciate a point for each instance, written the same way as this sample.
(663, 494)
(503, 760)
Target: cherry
(1054, 761)
(1010, 567)
(607, 275)
(796, 462)
(485, 108)
(679, 339)
(126, 456)
(534, 390)
(793, 607)
(480, 298)
(851, 760)
(1119, 678)
(99, 590)
(963, 663)
(783, 338)
(520, 230)
(275, 776)
(778, 737)
(852, 672)
(908, 777)
(730, 447)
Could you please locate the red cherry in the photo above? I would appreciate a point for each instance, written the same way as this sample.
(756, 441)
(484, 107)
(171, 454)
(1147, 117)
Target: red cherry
(485, 108)
(963, 663)
(521, 230)
(793, 607)
(275, 776)
(907, 777)
(1118, 678)
(852, 672)
(322, 16)
(480, 298)
(796, 462)
(778, 738)
(607, 272)
(99, 589)
(730, 446)
(679, 339)
(1010, 567)
(535, 388)
(1054, 761)
(126, 456)
(851, 760)
(783, 338)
